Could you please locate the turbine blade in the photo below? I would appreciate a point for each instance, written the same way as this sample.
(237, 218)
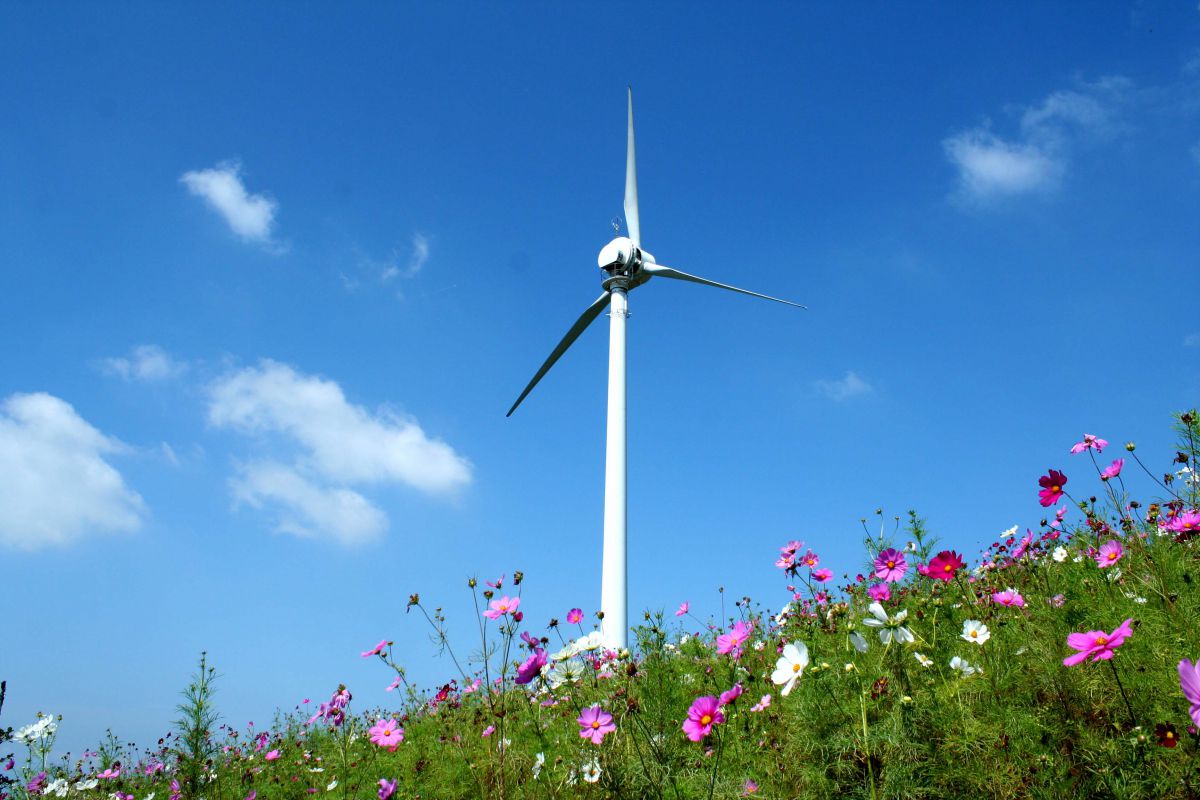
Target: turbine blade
(632, 222)
(584, 320)
(660, 271)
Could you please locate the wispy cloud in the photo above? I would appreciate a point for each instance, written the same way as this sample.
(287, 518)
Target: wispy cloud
(852, 385)
(55, 485)
(401, 264)
(147, 362)
(336, 445)
(416, 260)
(1192, 340)
(250, 216)
(1036, 157)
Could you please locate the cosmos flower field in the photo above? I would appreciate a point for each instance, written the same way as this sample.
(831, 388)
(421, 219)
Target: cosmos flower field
(1059, 662)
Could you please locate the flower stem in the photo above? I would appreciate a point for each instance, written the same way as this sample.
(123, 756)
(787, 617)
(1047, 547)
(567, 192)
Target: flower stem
(1128, 706)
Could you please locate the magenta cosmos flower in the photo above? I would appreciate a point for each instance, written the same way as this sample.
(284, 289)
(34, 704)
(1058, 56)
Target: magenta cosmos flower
(505, 605)
(575, 616)
(732, 641)
(595, 723)
(944, 566)
(1009, 597)
(729, 695)
(386, 788)
(683, 609)
(1110, 553)
(1112, 470)
(532, 666)
(879, 592)
(821, 575)
(810, 559)
(1185, 523)
(387, 733)
(1097, 645)
(890, 565)
(702, 716)
(271, 755)
(1189, 682)
(1026, 540)
(1090, 443)
(1052, 487)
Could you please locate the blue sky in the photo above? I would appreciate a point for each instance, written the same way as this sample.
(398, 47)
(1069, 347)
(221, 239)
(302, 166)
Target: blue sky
(272, 275)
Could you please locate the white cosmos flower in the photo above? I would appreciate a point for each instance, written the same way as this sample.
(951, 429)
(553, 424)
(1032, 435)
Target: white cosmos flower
(538, 762)
(963, 666)
(57, 787)
(783, 613)
(564, 672)
(859, 643)
(591, 770)
(924, 661)
(975, 631)
(332, 785)
(890, 627)
(790, 666)
(583, 644)
(1060, 554)
(89, 784)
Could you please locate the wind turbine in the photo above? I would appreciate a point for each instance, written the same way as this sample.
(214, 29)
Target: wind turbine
(625, 266)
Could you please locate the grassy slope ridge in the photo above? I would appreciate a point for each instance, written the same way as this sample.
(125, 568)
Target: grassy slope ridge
(873, 723)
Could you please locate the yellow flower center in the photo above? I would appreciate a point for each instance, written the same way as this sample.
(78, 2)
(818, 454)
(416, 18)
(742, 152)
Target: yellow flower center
(1101, 640)
(948, 568)
(795, 667)
(1113, 555)
(706, 719)
(595, 723)
(974, 634)
(891, 564)
(1056, 488)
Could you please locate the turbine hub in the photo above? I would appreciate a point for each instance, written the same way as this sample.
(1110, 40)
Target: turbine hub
(620, 256)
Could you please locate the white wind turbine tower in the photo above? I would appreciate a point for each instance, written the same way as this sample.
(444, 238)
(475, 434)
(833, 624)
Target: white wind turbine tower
(625, 266)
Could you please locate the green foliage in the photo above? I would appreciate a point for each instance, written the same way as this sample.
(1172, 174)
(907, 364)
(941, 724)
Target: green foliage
(196, 749)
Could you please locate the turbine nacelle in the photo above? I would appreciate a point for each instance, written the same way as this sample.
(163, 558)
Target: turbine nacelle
(622, 258)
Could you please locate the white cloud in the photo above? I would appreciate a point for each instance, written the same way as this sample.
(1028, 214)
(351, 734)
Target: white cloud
(850, 386)
(250, 216)
(416, 261)
(309, 509)
(147, 362)
(55, 485)
(339, 444)
(991, 167)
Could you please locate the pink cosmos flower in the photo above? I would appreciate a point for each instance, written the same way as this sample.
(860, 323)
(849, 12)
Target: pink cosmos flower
(395, 684)
(497, 583)
(1097, 645)
(1009, 597)
(386, 788)
(762, 704)
(1058, 600)
(574, 616)
(879, 592)
(791, 548)
(702, 716)
(1183, 524)
(488, 731)
(1089, 443)
(532, 666)
(175, 791)
(1189, 682)
(821, 575)
(890, 565)
(1026, 540)
(271, 755)
(683, 609)
(112, 772)
(1052, 485)
(595, 723)
(786, 561)
(387, 733)
(1112, 470)
(39, 783)
(810, 559)
(731, 642)
(505, 605)
(377, 649)
(729, 695)
(944, 565)
(1110, 553)
(749, 787)
(253, 794)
